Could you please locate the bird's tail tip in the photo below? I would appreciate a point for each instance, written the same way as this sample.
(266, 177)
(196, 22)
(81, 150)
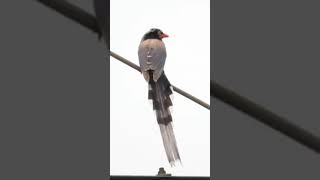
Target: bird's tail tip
(170, 144)
(176, 162)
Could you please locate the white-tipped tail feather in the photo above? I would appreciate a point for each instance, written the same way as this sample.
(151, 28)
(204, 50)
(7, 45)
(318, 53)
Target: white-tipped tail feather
(170, 144)
(159, 93)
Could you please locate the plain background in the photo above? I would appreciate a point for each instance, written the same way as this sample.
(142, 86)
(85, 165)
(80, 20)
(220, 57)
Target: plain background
(267, 51)
(136, 146)
(52, 95)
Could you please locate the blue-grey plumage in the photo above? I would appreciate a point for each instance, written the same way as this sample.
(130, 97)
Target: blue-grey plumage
(152, 56)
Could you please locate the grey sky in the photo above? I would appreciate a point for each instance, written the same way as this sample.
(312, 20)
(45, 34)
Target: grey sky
(135, 140)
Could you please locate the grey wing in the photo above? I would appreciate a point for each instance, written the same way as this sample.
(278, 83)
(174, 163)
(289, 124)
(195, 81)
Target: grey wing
(152, 56)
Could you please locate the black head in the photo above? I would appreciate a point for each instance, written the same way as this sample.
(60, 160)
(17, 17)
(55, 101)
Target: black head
(154, 34)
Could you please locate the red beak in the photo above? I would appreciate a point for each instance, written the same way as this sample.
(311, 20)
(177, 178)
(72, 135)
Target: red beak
(163, 35)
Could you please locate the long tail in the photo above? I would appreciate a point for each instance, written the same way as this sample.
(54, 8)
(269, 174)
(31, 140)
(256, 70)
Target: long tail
(159, 93)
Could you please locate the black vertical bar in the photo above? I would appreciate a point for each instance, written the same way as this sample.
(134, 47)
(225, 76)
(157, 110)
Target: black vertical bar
(102, 9)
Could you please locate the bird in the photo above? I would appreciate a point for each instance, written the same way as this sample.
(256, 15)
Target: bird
(152, 57)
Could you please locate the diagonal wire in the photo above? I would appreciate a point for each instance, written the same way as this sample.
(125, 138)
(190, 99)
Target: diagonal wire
(178, 90)
(266, 116)
(73, 12)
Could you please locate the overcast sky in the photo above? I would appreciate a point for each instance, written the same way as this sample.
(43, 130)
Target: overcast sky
(135, 141)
